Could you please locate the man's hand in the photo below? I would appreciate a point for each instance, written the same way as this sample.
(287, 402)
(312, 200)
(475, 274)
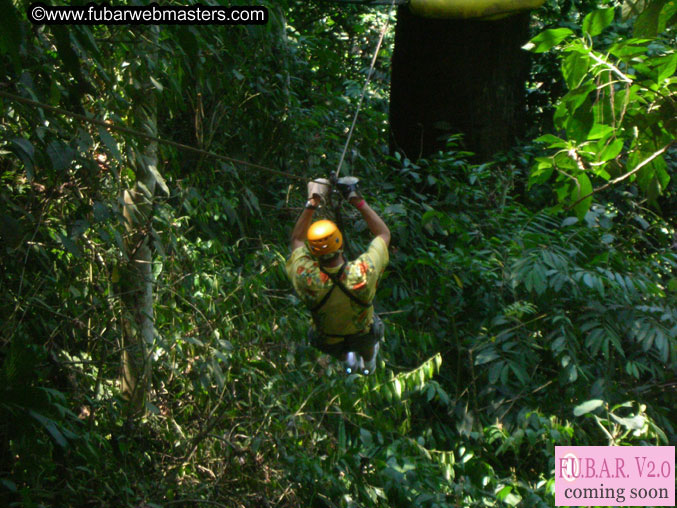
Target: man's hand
(347, 186)
(318, 189)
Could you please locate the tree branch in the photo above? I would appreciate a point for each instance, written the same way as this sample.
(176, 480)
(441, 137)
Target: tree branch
(625, 176)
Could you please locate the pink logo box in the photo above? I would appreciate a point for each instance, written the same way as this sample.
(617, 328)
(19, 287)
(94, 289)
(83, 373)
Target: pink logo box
(614, 475)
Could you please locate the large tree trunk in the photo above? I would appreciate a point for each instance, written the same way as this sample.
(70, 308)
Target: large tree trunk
(457, 76)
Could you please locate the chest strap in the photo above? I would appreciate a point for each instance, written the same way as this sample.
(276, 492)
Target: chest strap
(326, 296)
(335, 278)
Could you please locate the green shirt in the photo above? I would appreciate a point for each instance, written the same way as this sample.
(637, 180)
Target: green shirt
(339, 315)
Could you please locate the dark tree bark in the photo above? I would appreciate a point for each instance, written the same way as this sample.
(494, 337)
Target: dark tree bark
(457, 76)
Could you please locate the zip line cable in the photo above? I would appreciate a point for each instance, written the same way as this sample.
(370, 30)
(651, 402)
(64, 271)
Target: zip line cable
(364, 88)
(141, 134)
(334, 177)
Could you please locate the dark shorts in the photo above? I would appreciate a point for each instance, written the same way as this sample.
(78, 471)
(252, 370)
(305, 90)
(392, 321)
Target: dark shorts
(359, 343)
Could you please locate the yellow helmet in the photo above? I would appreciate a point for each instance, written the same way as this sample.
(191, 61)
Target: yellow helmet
(324, 239)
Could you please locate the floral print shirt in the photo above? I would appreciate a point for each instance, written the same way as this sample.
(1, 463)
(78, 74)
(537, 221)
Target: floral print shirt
(339, 315)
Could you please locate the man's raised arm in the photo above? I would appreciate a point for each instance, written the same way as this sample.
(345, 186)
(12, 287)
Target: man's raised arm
(374, 222)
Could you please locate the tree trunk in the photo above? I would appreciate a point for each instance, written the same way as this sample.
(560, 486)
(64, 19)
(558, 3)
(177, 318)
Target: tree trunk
(457, 76)
(138, 283)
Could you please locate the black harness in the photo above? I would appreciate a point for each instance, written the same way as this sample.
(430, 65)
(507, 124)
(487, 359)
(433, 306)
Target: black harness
(335, 278)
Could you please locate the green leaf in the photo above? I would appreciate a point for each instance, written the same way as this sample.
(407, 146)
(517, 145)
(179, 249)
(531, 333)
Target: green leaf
(584, 188)
(520, 373)
(69, 245)
(156, 83)
(365, 437)
(23, 149)
(513, 499)
(192, 340)
(600, 131)
(397, 388)
(486, 357)
(575, 98)
(611, 150)
(666, 67)
(574, 68)
(647, 22)
(626, 50)
(396, 209)
(50, 426)
(159, 179)
(68, 55)
(110, 143)
(587, 280)
(596, 21)
(83, 35)
(437, 360)
(501, 494)
(187, 41)
(574, 112)
(553, 141)
(495, 371)
(587, 407)
(634, 423)
(60, 155)
(547, 39)
(571, 373)
(667, 15)
(8, 484)
(541, 171)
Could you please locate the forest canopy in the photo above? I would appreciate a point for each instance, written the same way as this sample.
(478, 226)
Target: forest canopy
(153, 353)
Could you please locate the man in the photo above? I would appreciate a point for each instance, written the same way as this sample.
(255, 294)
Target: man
(338, 293)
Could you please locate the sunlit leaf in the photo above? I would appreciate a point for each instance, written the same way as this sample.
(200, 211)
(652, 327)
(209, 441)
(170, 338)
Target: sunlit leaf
(547, 40)
(587, 407)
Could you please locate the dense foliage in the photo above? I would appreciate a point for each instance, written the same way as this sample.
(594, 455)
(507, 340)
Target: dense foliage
(521, 312)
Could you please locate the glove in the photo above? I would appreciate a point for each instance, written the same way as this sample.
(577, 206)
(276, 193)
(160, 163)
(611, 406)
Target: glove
(318, 188)
(347, 186)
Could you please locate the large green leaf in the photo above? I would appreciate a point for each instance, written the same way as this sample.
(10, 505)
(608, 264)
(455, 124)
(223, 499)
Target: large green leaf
(575, 67)
(547, 40)
(595, 22)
